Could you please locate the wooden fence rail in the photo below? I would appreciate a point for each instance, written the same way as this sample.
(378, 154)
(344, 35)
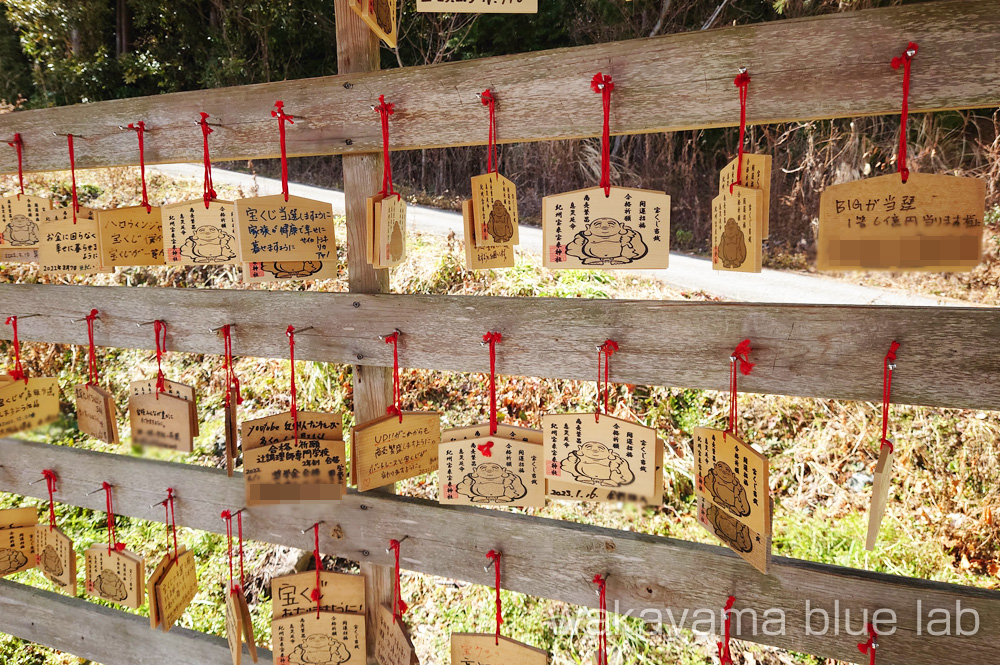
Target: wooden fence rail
(542, 557)
(808, 350)
(823, 67)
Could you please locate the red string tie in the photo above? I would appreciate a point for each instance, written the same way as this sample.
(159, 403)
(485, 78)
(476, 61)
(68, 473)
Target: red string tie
(92, 375)
(602, 634)
(160, 336)
(17, 371)
(742, 81)
(604, 351)
(485, 449)
(725, 656)
(283, 117)
(871, 646)
(316, 593)
(140, 129)
(494, 557)
(492, 339)
(205, 131)
(602, 85)
(227, 517)
(396, 408)
(384, 111)
(50, 484)
(888, 365)
(232, 381)
(903, 60)
(741, 358)
(290, 331)
(492, 160)
(113, 544)
(72, 174)
(18, 145)
(399, 607)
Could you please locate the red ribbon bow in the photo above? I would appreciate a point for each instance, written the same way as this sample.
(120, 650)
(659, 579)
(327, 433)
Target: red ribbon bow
(740, 357)
(486, 449)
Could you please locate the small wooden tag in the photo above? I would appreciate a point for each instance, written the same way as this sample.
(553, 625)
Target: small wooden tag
(609, 453)
(932, 222)
(131, 236)
(17, 544)
(494, 202)
(372, 221)
(491, 472)
(114, 576)
(239, 627)
(20, 220)
(176, 589)
(162, 420)
(754, 547)
(586, 229)
(152, 581)
(880, 494)
(393, 645)
(479, 7)
(756, 175)
(194, 235)
(231, 431)
(339, 592)
(68, 248)
(391, 231)
(557, 488)
(737, 236)
(734, 477)
(275, 271)
(480, 649)
(482, 258)
(96, 414)
(385, 450)
(272, 229)
(55, 556)
(290, 472)
(279, 427)
(183, 391)
(28, 405)
(327, 639)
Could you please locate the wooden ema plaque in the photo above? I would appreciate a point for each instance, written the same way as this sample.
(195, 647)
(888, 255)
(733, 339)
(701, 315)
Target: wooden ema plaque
(68, 248)
(754, 548)
(557, 488)
(505, 432)
(381, 17)
(279, 427)
(265, 272)
(131, 236)
(161, 419)
(610, 453)
(482, 258)
(371, 227)
(55, 556)
(290, 472)
(932, 222)
(20, 218)
(194, 235)
(756, 175)
(880, 494)
(494, 202)
(586, 229)
(96, 414)
(385, 450)
(733, 476)
(479, 7)
(152, 581)
(482, 649)
(231, 432)
(176, 589)
(510, 474)
(339, 592)
(272, 229)
(114, 576)
(737, 235)
(391, 215)
(239, 626)
(25, 406)
(393, 645)
(17, 539)
(327, 639)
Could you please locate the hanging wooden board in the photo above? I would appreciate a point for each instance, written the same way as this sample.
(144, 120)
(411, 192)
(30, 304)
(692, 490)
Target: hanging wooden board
(339, 592)
(327, 639)
(505, 432)
(586, 229)
(96, 414)
(372, 220)
(391, 216)
(272, 229)
(181, 390)
(290, 472)
(393, 645)
(494, 202)
(231, 431)
(381, 16)
(754, 547)
(20, 220)
(932, 222)
(68, 248)
(131, 236)
(279, 427)
(176, 589)
(17, 547)
(275, 271)
(239, 626)
(880, 493)
(482, 649)
(482, 258)
(194, 235)
(25, 406)
(737, 236)
(161, 420)
(152, 581)
(567, 491)
(610, 453)
(491, 472)
(385, 450)
(756, 175)
(55, 556)
(479, 7)
(114, 576)
(733, 476)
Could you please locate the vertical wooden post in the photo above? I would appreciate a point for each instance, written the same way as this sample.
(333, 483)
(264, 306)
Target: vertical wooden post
(358, 51)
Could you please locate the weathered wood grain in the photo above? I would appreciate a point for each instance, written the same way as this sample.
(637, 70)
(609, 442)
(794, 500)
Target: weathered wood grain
(803, 69)
(102, 634)
(947, 358)
(542, 557)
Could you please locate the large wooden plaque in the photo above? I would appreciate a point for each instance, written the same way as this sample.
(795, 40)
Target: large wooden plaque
(756, 175)
(20, 220)
(339, 592)
(733, 476)
(272, 229)
(737, 230)
(25, 406)
(386, 450)
(327, 639)
(115, 576)
(194, 235)
(55, 556)
(491, 471)
(482, 649)
(494, 201)
(131, 236)
(70, 248)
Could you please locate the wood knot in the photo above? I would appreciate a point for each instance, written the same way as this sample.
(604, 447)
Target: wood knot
(337, 532)
(609, 546)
